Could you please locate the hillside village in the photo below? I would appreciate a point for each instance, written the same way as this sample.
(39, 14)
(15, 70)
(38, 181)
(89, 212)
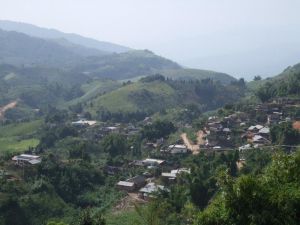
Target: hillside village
(205, 130)
(135, 161)
(161, 162)
(240, 130)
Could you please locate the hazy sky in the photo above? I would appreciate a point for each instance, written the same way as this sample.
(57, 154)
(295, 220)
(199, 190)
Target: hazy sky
(234, 36)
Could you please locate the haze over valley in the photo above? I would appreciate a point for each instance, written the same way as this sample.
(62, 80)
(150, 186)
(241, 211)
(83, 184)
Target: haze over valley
(243, 39)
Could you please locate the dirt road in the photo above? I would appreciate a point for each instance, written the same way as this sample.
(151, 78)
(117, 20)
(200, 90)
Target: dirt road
(10, 105)
(200, 137)
(195, 148)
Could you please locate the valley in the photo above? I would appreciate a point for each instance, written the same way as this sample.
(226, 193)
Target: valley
(95, 133)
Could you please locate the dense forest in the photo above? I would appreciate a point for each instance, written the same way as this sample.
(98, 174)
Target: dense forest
(286, 84)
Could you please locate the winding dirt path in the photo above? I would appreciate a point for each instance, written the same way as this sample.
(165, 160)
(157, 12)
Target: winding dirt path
(195, 148)
(10, 105)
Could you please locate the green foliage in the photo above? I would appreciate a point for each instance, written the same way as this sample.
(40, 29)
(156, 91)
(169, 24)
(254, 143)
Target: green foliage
(157, 213)
(95, 87)
(192, 97)
(114, 145)
(284, 134)
(126, 65)
(121, 116)
(19, 136)
(152, 78)
(55, 128)
(87, 219)
(158, 129)
(11, 212)
(56, 223)
(285, 85)
(257, 78)
(272, 198)
(257, 160)
(196, 74)
(128, 217)
(31, 204)
(70, 180)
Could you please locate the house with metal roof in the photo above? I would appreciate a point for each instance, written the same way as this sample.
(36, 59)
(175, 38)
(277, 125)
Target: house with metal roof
(28, 159)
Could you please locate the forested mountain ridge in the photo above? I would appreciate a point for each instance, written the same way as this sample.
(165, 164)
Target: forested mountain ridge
(58, 72)
(21, 49)
(286, 84)
(45, 33)
(125, 65)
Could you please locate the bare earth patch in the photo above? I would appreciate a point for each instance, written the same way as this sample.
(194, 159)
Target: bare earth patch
(10, 105)
(195, 148)
(128, 203)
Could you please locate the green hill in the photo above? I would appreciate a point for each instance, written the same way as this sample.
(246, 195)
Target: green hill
(40, 72)
(94, 88)
(19, 137)
(155, 93)
(197, 74)
(141, 63)
(39, 86)
(286, 84)
(125, 65)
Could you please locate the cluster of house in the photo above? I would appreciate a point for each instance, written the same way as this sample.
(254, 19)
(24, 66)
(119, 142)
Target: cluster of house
(278, 110)
(219, 131)
(101, 129)
(219, 136)
(175, 149)
(258, 134)
(146, 185)
(139, 184)
(172, 175)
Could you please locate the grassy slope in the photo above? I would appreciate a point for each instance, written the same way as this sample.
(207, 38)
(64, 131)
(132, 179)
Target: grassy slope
(124, 218)
(121, 100)
(95, 88)
(18, 137)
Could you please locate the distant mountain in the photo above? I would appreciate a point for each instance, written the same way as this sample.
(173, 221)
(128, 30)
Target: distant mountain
(45, 33)
(39, 72)
(30, 45)
(138, 63)
(21, 49)
(125, 65)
